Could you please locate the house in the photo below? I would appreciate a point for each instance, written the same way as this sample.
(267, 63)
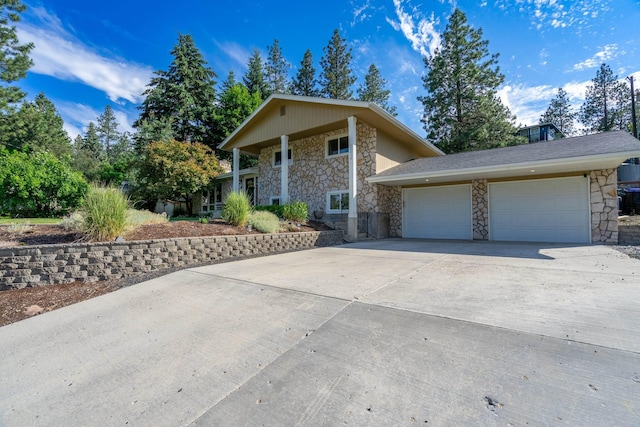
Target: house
(541, 132)
(358, 167)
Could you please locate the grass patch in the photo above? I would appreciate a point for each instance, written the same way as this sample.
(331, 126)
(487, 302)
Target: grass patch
(30, 221)
(106, 213)
(264, 222)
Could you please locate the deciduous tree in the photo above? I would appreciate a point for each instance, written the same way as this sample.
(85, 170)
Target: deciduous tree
(305, 82)
(461, 109)
(607, 104)
(337, 77)
(173, 170)
(560, 113)
(38, 184)
(374, 90)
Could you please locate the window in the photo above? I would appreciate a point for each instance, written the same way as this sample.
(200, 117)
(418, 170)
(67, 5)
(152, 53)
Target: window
(212, 199)
(337, 146)
(337, 201)
(277, 157)
(275, 200)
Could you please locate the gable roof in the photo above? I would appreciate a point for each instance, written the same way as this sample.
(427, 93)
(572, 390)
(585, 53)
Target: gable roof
(302, 116)
(578, 154)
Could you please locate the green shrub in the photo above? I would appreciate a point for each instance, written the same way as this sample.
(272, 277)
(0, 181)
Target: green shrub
(105, 213)
(73, 222)
(264, 222)
(274, 209)
(236, 209)
(203, 220)
(295, 211)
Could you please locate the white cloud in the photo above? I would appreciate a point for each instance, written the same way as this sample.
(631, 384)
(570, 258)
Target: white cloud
(236, 52)
(360, 13)
(610, 51)
(527, 103)
(77, 117)
(557, 14)
(423, 36)
(59, 54)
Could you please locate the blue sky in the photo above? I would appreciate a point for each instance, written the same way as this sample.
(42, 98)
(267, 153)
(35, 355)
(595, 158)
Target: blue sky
(89, 54)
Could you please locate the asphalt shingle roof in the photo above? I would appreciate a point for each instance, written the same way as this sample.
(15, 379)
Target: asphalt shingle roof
(581, 146)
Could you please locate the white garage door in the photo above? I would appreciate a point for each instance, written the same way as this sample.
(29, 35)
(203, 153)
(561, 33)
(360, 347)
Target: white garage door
(437, 212)
(544, 210)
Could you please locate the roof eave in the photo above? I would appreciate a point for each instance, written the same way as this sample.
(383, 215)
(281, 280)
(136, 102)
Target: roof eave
(574, 164)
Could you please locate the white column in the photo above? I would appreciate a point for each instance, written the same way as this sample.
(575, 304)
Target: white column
(236, 170)
(284, 169)
(352, 222)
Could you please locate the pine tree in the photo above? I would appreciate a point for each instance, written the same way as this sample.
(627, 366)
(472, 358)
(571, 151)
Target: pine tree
(559, 112)
(607, 104)
(337, 77)
(374, 90)
(108, 130)
(184, 95)
(91, 142)
(462, 111)
(277, 70)
(254, 78)
(14, 57)
(85, 161)
(305, 83)
(37, 126)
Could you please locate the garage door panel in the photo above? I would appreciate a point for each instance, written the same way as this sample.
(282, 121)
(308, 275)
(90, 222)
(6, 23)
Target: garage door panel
(547, 210)
(437, 212)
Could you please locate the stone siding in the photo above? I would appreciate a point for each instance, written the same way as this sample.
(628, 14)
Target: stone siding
(312, 175)
(604, 206)
(480, 206)
(629, 234)
(52, 264)
(391, 202)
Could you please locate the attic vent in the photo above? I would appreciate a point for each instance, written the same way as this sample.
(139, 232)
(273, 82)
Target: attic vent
(283, 110)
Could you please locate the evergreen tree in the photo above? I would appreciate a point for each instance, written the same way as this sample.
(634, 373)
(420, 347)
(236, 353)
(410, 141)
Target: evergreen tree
(607, 104)
(462, 111)
(91, 142)
(85, 161)
(14, 57)
(560, 113)
(37, 126)
(235, 105)
(374, 90)
(184, 95)
(337, 77)
(305, 83)
(108, 130)
(153, 130)
(277, 70)
(254, 78)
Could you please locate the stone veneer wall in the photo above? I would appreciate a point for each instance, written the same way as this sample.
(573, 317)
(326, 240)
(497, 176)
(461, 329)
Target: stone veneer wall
(604, 206)
(312, 175)
(51, 264)
(391, 202)
(480, 206)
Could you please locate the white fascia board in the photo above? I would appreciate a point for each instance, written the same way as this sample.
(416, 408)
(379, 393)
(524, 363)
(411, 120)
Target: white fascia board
(574, 161)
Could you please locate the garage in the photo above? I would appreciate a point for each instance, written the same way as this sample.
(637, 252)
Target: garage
(437, 212)
(542, 210)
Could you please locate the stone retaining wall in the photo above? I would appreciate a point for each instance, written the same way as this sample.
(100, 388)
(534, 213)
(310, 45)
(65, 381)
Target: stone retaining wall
(53, 264)
(628, 234)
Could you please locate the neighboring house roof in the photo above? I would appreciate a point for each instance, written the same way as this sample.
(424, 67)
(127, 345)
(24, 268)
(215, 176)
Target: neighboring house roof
(578, 154)
(303, 116)
(241, 172)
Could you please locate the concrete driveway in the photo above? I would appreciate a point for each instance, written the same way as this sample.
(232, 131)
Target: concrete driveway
(391, 332)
